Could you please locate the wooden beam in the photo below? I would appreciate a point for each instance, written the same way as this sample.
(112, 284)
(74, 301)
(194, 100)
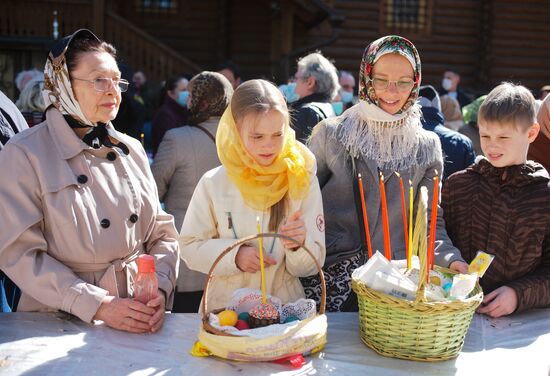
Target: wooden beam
(99, 16)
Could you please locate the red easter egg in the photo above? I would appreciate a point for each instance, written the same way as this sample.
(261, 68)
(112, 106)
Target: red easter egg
(242, 325)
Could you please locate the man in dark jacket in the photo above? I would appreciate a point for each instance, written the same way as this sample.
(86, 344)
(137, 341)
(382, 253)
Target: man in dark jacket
(316, 85)
(457, 148)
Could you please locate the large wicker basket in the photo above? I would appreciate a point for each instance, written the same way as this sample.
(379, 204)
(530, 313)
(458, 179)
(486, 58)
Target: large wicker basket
(308, 337)
(415, 330)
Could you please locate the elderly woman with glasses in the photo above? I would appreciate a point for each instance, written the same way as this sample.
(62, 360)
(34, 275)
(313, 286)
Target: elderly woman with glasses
(381, 133)
(78, 203)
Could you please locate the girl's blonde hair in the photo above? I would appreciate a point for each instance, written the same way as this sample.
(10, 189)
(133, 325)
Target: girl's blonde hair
(257, 97)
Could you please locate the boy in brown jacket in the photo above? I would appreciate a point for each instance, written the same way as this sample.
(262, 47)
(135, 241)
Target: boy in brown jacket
(501, 205)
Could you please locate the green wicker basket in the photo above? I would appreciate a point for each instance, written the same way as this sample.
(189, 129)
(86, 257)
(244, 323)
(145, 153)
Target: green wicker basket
(415, 330)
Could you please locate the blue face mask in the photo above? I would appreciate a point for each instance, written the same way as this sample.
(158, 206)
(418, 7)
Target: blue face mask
(338, 108)
(182, 99)
(289, 92)
(347, 97)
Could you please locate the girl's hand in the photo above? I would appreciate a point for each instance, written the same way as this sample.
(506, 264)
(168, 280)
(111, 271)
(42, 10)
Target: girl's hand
(248, 259)
(500, 302)
(157, 304)
(125, 314)
(294, 227)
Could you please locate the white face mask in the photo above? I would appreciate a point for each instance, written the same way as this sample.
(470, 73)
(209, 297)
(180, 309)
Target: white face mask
(446, 84)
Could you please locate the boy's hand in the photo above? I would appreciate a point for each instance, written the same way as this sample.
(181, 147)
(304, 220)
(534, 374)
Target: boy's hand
(248, 259)
(500, 302)
(459, 266)
(294, 227)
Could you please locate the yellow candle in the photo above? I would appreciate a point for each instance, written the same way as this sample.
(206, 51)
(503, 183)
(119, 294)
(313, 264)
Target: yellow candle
(262, 272)
(411, 204)
(142, 139)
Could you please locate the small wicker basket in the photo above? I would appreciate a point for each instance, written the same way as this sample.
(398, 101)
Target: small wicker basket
(285, 345)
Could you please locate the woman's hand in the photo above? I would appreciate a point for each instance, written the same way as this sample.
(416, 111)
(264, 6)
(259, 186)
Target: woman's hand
(295, 228)
(125, 314)
(459, 266)
(157, 304)
(500, 302)
(248, 259)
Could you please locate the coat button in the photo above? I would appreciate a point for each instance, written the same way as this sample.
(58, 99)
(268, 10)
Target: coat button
(105, 223)
(111, 156)
(82, 179)
(134, 218)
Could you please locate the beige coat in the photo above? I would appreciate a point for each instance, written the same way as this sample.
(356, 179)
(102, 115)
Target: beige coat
(74, 218)
(183, 156)
(206, 232)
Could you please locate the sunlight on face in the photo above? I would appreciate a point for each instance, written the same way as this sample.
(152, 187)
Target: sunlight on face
(505, 144)
(393, 68)
(263, 136)
(97, 106)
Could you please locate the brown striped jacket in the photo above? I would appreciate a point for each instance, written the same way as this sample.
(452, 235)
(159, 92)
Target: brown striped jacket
(504, 212)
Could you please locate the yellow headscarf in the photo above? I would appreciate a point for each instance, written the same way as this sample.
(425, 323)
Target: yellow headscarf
(262, 187)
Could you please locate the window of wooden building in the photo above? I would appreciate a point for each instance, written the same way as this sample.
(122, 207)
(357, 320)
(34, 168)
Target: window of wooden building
(157, 6)
(411, 17)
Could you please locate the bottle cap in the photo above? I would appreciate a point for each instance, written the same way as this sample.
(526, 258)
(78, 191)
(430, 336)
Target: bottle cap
(146, 264)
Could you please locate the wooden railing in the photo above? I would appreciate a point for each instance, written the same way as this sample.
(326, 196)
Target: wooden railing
(29, 20)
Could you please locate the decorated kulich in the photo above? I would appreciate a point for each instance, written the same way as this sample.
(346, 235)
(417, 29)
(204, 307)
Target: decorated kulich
(263, 315)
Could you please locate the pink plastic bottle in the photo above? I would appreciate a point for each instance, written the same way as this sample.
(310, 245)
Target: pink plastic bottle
(146, 284)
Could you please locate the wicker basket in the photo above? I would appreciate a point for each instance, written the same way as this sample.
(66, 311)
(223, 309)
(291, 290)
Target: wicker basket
(300, 341)
(415, 330)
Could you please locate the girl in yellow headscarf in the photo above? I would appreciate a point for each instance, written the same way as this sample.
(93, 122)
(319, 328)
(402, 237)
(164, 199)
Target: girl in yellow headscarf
(265, 173)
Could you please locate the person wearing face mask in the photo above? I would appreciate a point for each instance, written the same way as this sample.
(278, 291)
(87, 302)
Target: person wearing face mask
(316, 86)
(173, 113)
(184, 155)
(381, 133)
(80, 204)
(450, 85)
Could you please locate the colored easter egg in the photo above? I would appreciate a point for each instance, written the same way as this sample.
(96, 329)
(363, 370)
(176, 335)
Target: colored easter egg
(243, 316)
(228, 317)
(242, 325)
(291, 318)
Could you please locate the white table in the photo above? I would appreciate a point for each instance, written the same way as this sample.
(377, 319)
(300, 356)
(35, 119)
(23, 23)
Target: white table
(56, 344)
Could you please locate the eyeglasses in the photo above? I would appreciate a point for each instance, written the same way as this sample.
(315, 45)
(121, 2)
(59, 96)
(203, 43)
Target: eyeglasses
(383, 84)
(103, 84)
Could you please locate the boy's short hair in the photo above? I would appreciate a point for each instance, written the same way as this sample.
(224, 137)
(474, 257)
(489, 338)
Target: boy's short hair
(509, 103)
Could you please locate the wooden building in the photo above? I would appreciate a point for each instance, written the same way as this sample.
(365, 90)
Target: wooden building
(486, 41)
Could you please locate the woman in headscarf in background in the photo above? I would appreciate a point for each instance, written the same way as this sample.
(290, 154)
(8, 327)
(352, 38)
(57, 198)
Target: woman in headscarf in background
(382, 133)
(184, 155)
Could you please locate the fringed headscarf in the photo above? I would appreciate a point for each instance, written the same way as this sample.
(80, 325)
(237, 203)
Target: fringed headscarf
(264, 186)
(393, 141)
(211, 88)
(58, 92)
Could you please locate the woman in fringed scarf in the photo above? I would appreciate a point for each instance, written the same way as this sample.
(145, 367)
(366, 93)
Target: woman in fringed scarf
(79, 203)
(382, 133)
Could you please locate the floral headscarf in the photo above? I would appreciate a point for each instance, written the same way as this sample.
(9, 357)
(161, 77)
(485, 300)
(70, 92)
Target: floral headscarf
(58, 92)
(391, 44)
(394, 142)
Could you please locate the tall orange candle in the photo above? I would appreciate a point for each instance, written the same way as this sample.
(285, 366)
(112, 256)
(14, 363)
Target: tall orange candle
(433, 222)
(365, 218)
(385, 221)
(404, 211)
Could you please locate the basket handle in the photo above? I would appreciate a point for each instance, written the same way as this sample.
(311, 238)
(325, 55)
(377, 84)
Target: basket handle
(253, 237)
